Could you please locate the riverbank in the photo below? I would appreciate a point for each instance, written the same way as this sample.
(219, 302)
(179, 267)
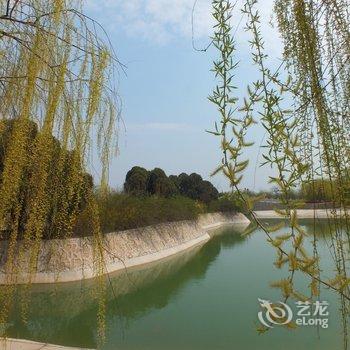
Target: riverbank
(20, 344)
(73, 259)
(305, 214)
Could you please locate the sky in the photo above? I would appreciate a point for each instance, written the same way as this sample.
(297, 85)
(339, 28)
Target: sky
(164, 89)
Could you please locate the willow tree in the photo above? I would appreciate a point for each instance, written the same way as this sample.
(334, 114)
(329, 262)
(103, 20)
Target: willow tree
(304, 109)
(55, 72)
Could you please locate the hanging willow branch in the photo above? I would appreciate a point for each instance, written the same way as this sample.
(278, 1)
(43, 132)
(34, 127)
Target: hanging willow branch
(305, 143)
(56, 95)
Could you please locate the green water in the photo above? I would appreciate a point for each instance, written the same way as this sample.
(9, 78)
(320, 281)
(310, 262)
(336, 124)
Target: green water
(204, 299)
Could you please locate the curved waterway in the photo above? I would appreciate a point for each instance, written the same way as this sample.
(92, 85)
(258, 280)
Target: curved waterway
(206, 298)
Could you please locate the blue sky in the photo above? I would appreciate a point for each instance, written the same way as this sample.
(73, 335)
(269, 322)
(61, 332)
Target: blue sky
(164, 91)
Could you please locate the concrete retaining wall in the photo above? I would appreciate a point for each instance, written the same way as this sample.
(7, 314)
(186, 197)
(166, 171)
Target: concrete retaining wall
(20, 344)
(73, 259)
(307, 214)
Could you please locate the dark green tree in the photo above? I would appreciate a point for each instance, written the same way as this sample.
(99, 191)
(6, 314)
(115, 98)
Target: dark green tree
(159, 184)
(136, 181)
(77, 198)
(139, 181)
(207, 192)
(175, 180)
(193, 186)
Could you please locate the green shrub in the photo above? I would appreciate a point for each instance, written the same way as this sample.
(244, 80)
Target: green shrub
(320, 190)
(121, 211)
(226, 203)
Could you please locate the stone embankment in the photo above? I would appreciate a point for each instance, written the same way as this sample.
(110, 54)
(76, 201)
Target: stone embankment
(19, 344)
(74, 259)
(306, 214)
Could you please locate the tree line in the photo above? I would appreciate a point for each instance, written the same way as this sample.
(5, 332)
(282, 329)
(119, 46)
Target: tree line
(140, 181)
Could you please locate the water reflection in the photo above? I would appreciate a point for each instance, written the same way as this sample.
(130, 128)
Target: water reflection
(66, 313)
(321, 227)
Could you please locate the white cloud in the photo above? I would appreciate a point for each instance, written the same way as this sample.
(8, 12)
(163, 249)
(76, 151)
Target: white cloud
(160, 20)
(157, 20)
